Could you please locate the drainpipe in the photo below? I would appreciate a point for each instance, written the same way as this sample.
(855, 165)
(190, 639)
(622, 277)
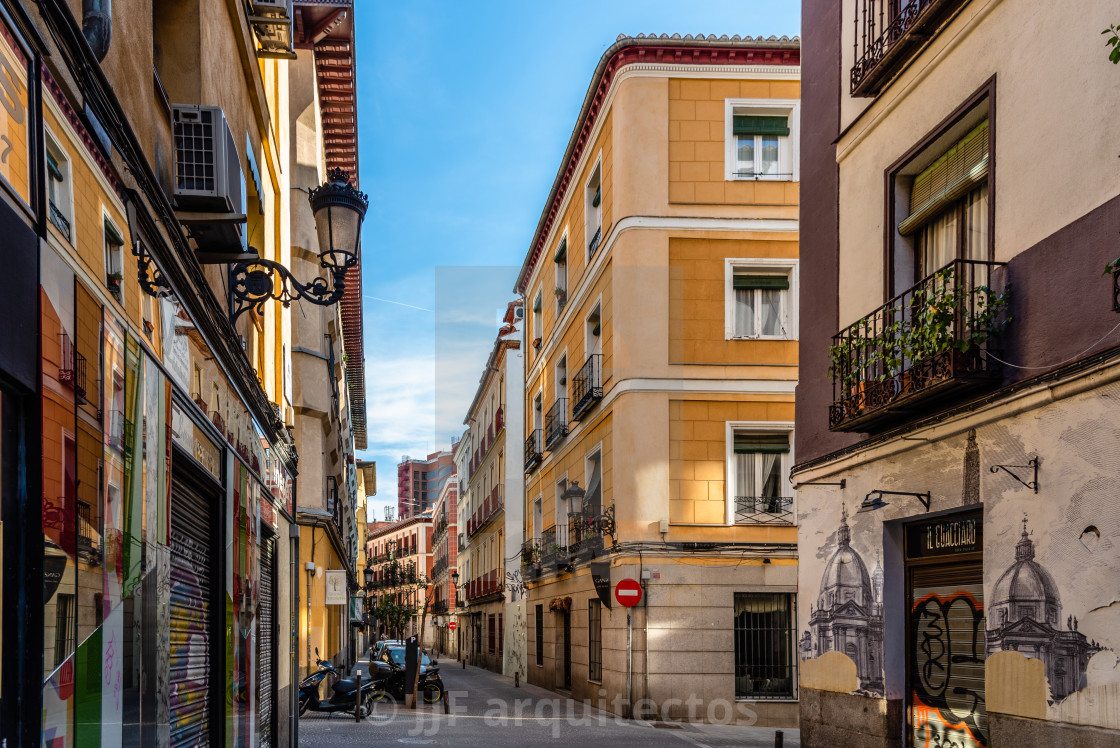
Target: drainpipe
(97, 26)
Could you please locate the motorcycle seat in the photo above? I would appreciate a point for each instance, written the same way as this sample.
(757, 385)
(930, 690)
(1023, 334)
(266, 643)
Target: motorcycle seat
(345, 685)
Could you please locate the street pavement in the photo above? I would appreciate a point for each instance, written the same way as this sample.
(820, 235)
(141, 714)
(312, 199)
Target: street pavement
(486, 710)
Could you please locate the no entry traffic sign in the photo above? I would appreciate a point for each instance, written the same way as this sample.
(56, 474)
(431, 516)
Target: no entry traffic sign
(451, 625)
(628, 593)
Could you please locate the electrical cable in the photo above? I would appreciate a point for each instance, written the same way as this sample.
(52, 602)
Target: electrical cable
(1060, 363)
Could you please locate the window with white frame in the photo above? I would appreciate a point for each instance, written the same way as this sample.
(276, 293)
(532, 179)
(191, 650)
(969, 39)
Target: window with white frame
(561, 261)
(593, 210)
(114, 259)
(761, 139)
(538, 319)
(759, 462)
(761, 299)
(59, 203)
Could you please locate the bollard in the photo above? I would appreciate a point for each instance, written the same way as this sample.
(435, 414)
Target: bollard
(464, 663)
(517, 679)
(446, 706)
(358, 697)
(778, 737)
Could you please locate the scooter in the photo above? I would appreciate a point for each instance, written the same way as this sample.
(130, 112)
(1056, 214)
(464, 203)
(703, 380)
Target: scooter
(389, 682)
(343, 692)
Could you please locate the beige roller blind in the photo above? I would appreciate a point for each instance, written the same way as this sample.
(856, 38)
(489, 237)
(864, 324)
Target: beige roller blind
(963, 167)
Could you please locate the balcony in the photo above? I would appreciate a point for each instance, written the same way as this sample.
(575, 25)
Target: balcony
(556, 422)
(534, 455)
(585, 537)
(593, 245)
(909, 357)
(587, 386)
(485, 511)
(59, 220)
(484, 586)
(764, 510)
(554, 546)
(530, 553)
(889, 34)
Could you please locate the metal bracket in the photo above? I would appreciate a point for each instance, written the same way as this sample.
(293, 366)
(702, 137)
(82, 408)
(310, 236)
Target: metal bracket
(842, 483)
(870, 504)
(251, 284)
(1032, 464)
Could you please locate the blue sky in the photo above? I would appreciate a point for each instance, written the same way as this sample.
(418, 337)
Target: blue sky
(464, 111)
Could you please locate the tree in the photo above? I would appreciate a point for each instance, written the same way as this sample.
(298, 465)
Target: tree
(406, 596)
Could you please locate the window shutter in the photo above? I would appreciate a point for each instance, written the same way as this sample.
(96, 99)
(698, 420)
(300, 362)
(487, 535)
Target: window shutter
(761, 443)
(778, 282)
(561, 251)
(961, 168)
(537, 303)
(52, 168)
(598, 197)
(112, 236)
(759, 125)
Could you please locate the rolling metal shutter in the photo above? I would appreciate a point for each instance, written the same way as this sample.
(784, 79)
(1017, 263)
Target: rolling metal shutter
(190, 617)
(947, 649)
(267, 637)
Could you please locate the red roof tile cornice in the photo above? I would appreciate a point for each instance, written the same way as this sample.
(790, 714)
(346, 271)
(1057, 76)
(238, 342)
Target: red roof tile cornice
(664, 49)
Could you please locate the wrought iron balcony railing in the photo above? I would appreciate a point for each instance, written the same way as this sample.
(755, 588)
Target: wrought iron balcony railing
(587, 386)
(530, 552)
(763, 510)
(534, 454)
(593, 245)
(556, 422)
(888, 34)
(585, 538)
(59, 220)
(932, 341)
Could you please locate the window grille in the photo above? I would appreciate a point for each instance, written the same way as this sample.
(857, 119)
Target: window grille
(490, 632)
(765, 667)
(595, 640)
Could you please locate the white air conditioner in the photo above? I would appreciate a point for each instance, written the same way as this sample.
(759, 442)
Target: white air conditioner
(209, 187)
(519, 312)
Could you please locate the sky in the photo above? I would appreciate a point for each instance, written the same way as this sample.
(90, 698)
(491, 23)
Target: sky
(464, 112)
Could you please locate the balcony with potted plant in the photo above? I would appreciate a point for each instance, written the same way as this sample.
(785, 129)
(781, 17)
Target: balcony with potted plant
(932, 342)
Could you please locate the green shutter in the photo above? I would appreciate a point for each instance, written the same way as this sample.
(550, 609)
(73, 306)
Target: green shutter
(750, 124)
(112, 236)
(779, 282)
(537, 303)
(561, 251)
(772, 443)
(953, 175)
(598, 197)
(52, 168)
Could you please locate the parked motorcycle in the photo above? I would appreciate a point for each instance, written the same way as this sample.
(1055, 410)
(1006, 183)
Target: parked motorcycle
(343, 693)
(389, 678)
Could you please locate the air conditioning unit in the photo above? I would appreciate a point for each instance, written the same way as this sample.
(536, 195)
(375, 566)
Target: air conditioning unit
(209, 185)
(272, 7)
(272, 21)
(519, 312)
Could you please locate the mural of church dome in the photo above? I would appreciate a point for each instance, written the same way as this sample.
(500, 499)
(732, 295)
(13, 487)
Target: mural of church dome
(1026, 589)
(848, 615)
(1026, 617)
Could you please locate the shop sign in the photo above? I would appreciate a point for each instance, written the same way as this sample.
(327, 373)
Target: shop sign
(601, 578)
(947, 536)
(191, 438)
(15, 143)
(336, 588)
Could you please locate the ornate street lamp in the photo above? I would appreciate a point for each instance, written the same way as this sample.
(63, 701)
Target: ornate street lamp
(368, 574)
(339, 209)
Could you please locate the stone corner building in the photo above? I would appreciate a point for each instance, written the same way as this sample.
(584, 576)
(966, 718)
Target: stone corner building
(956, 424)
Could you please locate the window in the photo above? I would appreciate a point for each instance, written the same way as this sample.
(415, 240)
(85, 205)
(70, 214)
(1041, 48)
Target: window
(758, 489)
(761, 139)
(538, 518)
(59, 203)
(561, 260)
(947, 218)
(538, 320)
(764, 646)
(593, 209)
(114, 260)
(491, 629)
(593, 497)
(761, 299)
(595, 640)
(540, 636)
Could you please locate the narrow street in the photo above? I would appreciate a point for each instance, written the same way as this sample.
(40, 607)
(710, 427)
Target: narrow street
(486, 709)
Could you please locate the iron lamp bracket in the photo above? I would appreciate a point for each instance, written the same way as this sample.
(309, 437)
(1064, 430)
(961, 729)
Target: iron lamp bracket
(253, 283)
(870, 504)
(1032, 465)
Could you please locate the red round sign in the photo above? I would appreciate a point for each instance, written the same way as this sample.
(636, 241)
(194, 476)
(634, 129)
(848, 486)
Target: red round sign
(451, 625)
(628, 593)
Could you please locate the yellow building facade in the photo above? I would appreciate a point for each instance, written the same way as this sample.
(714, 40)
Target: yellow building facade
(661, 318)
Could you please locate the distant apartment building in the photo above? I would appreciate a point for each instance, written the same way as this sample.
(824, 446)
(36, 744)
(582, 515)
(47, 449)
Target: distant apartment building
(661, 334)
(445, 563)
(400, 554)
(491, 516)
(419, 482)
(956, 415)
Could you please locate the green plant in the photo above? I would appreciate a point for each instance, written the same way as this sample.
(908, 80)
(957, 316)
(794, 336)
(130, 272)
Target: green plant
(941, 316)
(1113, 32)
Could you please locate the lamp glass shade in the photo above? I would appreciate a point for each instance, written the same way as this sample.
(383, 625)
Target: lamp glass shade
(368, 574)
(338, 209)
(455, 577)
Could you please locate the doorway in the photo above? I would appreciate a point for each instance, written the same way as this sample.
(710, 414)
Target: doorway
(945, 641)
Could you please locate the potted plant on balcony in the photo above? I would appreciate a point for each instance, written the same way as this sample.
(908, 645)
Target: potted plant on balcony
(537, 343)
(113, 281)
(561, 295)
